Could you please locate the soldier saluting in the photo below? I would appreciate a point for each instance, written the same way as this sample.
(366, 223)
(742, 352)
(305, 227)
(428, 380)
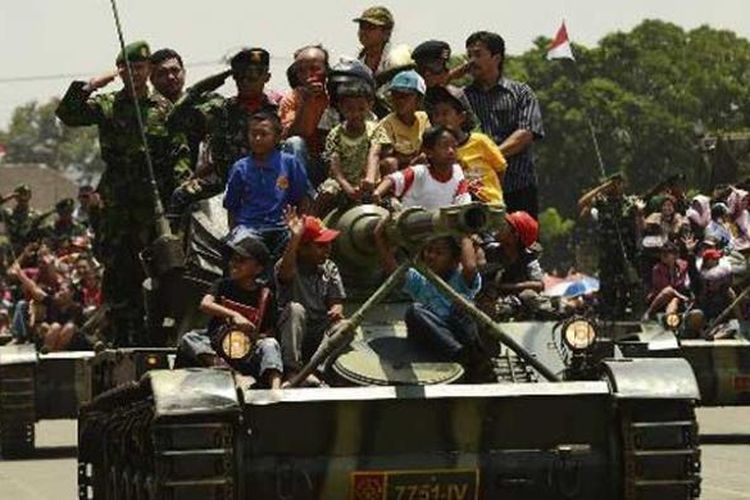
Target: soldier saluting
(619, 219)
(222, 122)
(127, 224)
(20, 220)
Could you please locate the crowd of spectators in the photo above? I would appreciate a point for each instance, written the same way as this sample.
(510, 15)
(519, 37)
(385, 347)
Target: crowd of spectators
(50, 284)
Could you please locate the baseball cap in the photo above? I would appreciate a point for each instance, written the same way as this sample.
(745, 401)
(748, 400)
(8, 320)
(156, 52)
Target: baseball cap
(316, 231)
(408, 81)
(252, 248)
(525, 226)
(453, 95)
(379, 16)
(711, 254)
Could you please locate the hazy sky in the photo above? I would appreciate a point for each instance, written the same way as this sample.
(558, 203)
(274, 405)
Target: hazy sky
(62, 37)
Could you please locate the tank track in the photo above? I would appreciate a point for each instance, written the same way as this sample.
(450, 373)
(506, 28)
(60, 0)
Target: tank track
(661, 458)
(509, 368)
(17, 410)
(126, 453)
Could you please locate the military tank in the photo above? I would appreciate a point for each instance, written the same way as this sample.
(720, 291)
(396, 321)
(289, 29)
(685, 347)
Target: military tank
(38, 386)
(568, 417)
(721, 366)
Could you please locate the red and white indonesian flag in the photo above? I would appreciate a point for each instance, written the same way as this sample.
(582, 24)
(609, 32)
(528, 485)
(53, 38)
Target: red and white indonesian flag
(560, 47)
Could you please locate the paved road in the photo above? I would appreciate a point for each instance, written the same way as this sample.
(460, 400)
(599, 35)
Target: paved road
(52, 473)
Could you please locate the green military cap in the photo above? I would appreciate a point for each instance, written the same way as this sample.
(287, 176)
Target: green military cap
(22, 189)
(379, 16)
(136, 51)
(65, 205)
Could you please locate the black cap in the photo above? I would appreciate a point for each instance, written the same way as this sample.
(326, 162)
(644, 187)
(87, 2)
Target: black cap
(247, 58)
(252, 248)
(431, 52)
(453, 95)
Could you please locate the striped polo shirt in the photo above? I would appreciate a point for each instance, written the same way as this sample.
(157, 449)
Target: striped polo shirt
(501, 110)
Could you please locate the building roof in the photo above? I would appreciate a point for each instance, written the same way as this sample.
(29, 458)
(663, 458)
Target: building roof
(47, 185)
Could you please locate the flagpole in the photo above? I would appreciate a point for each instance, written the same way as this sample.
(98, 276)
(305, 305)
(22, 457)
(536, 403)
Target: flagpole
(560, 48)
(592, 132)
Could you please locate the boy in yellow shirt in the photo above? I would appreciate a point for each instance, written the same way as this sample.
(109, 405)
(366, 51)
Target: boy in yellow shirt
(397, 140)
(483, 163)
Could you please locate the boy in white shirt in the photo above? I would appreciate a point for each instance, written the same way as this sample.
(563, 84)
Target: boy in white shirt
(437, 184)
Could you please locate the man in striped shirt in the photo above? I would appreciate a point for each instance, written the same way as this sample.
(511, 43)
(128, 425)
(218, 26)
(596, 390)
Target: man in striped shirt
(509, 113)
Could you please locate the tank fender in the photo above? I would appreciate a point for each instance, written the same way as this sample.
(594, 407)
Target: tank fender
(193, 391)
(18, 354)
(644, 378)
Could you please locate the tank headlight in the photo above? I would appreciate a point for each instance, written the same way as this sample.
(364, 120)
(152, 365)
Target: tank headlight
(673, 321)
(579, 334)
(236, 344)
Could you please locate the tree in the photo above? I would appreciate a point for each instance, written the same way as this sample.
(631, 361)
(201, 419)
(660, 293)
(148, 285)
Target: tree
(36, 136)
(555, 236)
(644, 92)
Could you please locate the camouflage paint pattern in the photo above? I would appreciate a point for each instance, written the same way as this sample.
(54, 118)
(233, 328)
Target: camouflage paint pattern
(127, 224)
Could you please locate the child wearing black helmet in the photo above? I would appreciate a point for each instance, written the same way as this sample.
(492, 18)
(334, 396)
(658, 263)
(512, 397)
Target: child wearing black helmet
(347, 147)
(243, 315)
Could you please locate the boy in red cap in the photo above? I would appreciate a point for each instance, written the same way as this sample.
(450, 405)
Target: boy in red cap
(309, 289)
(512, 270)
(714, 290)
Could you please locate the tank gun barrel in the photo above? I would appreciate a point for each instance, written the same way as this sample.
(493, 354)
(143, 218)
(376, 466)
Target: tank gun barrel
(408, 229)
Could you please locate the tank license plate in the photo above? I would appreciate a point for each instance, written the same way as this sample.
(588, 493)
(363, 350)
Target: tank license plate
(450, 484)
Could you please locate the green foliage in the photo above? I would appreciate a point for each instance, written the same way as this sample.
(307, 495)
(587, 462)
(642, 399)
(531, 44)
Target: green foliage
(36, 136)
(555, 235)
(643, 92)
(553, 226)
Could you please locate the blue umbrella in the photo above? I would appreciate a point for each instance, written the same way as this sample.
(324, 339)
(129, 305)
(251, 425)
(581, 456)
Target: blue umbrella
(581, 286)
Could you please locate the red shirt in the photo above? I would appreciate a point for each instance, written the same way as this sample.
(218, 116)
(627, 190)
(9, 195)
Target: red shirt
(676, 277)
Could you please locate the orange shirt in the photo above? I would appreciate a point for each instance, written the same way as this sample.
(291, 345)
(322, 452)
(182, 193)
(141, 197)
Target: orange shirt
(315, 106)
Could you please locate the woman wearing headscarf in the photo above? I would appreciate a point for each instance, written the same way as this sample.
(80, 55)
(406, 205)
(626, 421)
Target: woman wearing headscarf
(717, 229)
(739, 219)
(699, 214)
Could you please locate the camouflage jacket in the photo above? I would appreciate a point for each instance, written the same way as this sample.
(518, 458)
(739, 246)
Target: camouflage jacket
(220, 121)
(126, 175)
(58, 231)
(617, 223)
(19, 224)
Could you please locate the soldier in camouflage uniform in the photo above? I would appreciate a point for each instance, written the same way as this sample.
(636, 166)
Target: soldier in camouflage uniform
(20, 221)
(65, 227)
(618, 218)
(127, 220)
(222, 122)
